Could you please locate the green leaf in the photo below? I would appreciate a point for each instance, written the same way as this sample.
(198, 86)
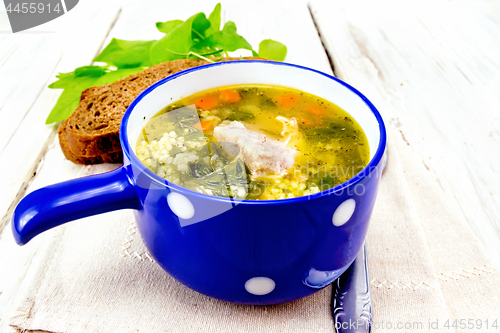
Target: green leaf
(205, 47)
(68, 79)
(76, 82)
(70, 98)
(126, 53)
(228, 39)
(200, 25)
(175, 45)
(65, 79)
(92, 71)
(64, 75)
(272, 50)
(214, 19)
(167, 27)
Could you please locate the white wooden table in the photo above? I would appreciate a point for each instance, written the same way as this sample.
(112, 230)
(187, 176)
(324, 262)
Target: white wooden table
(432, 68)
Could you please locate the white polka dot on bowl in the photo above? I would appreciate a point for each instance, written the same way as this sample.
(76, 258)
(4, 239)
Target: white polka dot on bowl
(260, 285)
(180, 205)
(343, 212)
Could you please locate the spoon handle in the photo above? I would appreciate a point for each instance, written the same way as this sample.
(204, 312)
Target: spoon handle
(352, 302)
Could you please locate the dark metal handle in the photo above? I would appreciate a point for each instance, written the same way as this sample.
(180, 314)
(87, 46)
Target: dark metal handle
(352, 299)
(352, 302)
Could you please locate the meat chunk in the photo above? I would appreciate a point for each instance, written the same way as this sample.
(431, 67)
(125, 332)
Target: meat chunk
(260, 153)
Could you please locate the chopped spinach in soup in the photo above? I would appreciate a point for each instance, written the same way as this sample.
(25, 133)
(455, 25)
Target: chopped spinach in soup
(254, 142)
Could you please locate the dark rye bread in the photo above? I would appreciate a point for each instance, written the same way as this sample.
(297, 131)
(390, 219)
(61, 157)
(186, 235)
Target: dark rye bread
(113, 157)
(93, 128)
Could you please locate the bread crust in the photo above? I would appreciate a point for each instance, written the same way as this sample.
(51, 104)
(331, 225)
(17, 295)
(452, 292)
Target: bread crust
(112, 157)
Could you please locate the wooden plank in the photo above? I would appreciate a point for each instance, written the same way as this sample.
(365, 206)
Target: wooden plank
(290, 23)
(29, 58)
(433, 72)
(26, 63)
(4, 20)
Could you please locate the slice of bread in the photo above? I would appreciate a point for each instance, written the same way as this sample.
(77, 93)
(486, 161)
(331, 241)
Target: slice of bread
(113, 157)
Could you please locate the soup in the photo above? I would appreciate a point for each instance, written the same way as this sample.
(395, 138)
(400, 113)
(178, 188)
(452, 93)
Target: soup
(254, 142)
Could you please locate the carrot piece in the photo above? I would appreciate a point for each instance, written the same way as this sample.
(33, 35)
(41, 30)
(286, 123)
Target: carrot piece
(207, 102)
(229, 96)
(287, 101)
(315, 109)
(305, 121)
(206, 125)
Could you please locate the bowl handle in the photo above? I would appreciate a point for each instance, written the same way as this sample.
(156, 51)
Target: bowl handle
(54, 205)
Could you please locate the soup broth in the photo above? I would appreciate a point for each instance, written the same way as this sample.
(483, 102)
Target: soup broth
(254, 142)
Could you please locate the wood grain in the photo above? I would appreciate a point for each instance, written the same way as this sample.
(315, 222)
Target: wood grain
(289, 23)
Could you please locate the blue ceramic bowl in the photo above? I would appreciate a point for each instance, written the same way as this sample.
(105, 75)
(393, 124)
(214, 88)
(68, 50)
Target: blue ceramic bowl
(241, 251)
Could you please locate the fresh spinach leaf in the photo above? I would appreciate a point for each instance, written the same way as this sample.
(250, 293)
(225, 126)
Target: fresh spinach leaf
(167, 27)
(177, 44)
(64, 80)
(76, 82)
(272, 50)
(69, 79)
(199, 27)
(228, 39)
(93, 71)
(214, 19)
(126, 53)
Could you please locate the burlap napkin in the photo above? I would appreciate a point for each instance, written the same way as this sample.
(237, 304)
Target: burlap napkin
(426, 268)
